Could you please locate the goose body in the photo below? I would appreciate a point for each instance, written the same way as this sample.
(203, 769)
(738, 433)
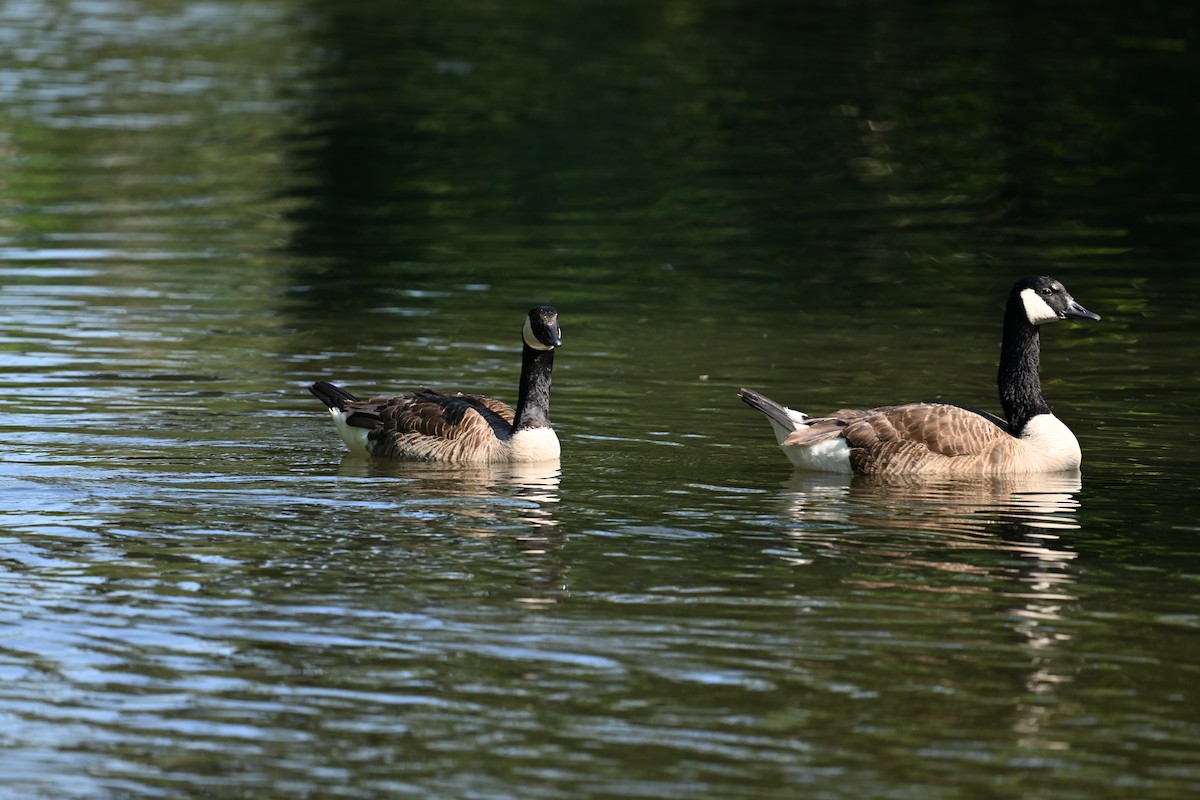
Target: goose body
(944, 439)
(425, 425)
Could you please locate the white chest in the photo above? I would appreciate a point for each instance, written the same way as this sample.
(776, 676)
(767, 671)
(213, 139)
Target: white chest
(1051, 443)
(534, 444)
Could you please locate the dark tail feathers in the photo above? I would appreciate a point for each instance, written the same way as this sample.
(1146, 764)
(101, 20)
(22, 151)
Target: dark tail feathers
(766, 405)
(332, 396)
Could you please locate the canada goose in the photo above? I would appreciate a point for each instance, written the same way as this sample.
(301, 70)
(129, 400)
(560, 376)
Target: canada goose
(942, 439)
(425, 425)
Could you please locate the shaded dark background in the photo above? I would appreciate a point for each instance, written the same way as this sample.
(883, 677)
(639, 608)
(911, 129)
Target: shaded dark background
(765, 144)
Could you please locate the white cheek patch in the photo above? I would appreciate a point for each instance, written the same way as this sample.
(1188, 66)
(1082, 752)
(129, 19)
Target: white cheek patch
(1037, 310)
(530, 339)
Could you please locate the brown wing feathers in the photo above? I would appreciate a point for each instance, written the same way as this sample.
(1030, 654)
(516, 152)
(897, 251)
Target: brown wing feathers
(440, 427)
(430, 413)
(424, 424)
(503, 410)
(445, 416)
(911, 438)
(818, 430)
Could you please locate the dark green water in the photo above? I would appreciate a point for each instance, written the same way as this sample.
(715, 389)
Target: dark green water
(205, 206)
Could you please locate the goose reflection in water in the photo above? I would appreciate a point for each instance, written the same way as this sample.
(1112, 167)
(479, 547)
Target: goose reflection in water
(512, 502)
(534, 484)
(952, 528)
(972, 506)
(1022, 515)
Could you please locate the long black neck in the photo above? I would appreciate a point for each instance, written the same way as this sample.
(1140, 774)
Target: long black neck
(533, 405)
(1020, 359)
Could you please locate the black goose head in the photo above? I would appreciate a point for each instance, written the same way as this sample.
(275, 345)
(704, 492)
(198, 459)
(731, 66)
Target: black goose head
(541, 331)
(1043, 299)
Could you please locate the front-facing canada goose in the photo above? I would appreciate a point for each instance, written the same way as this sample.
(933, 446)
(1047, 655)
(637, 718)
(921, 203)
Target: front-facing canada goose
(942, 439)
(425, 425)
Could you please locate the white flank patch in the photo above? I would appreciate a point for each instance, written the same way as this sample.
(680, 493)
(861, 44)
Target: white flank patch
(1053, 446)
(531, 340)
(355, 438)
(534, 444)
(831, 455)
(1037, 310)
(781, 433)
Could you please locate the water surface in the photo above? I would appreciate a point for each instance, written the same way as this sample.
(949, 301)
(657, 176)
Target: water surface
(207, 206)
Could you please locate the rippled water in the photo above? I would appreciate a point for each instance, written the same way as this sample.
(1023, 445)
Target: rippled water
(206, 206)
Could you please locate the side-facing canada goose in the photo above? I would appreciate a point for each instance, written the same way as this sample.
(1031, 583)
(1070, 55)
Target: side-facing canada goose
(425, 425)
(942, 439)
